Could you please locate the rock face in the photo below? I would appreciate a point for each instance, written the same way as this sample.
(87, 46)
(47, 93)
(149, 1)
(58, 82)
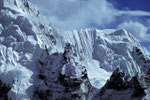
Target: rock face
(4, 89)
(59, 79)
(121, 86)
(38, 62)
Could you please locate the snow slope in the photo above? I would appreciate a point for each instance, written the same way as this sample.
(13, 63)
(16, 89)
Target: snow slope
(39, 62)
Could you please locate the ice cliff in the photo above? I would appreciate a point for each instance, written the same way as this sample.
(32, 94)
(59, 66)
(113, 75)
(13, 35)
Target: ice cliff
(39, 62)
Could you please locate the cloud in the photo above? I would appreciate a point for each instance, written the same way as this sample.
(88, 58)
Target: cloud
(134, 13)
(137, 29)
(77, 14)
(147, 50)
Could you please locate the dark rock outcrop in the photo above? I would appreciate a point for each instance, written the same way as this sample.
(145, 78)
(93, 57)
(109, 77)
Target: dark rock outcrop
(119, 83)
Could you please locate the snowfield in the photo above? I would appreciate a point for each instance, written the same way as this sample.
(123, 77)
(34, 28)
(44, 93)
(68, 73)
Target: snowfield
(39, 62)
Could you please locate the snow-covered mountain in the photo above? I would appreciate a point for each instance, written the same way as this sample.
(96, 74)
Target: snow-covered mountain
(39, 62)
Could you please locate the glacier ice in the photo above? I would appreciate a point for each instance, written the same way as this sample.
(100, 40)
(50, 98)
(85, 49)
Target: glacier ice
(40, 62)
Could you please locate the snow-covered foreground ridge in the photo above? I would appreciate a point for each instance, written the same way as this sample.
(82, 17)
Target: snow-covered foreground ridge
(38, 62)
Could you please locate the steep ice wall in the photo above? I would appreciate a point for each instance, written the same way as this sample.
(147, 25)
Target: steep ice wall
(38, 61)
(110, 50)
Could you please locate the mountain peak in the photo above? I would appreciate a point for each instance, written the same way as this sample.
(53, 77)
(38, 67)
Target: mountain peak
(40, 62)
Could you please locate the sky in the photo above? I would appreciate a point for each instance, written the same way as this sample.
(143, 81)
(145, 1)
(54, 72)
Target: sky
(132, 15)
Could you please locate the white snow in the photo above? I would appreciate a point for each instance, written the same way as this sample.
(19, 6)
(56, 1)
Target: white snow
(24, 35)
(97, 75)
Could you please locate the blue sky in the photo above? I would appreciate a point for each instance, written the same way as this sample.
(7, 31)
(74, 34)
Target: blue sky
(132, 4)
(132, 15)
(136, 5)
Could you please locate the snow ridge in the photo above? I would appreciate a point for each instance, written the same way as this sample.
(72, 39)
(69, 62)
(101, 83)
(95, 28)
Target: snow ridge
(38, 61)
